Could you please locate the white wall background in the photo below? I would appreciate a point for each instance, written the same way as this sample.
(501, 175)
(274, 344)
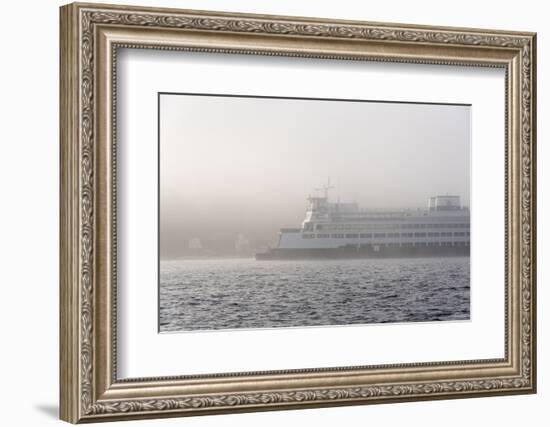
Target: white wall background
(29, 170)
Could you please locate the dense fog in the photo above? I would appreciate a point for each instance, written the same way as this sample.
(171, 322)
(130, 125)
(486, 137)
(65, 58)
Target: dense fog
(234, 170)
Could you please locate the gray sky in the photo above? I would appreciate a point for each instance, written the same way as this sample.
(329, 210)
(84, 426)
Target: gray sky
(231, 166)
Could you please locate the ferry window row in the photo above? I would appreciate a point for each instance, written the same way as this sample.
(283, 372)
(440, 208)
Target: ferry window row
(384, 235)
(337, 227)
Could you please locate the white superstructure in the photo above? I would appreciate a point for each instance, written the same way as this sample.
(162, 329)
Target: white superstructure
(329, 225)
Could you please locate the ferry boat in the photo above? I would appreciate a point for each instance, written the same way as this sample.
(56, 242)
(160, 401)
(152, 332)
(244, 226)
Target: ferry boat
(343, 230)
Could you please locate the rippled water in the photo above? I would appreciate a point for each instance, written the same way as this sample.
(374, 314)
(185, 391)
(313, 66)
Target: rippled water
(245, 293)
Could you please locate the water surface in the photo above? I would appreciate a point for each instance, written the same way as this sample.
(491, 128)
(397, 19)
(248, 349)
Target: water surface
(245, 293)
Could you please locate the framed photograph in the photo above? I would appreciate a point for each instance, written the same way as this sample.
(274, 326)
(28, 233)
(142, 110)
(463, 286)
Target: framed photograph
(266, 212)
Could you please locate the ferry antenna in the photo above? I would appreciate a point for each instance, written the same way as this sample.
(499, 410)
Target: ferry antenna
(326, 188)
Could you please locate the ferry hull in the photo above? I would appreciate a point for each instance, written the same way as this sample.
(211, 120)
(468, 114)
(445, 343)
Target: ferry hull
(350, 252)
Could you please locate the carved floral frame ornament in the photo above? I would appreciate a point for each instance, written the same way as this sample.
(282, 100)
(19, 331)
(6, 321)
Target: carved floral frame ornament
(90, 36)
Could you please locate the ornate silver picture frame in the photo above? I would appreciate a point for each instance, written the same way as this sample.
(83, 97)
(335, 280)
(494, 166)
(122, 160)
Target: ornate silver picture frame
(92, 37)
